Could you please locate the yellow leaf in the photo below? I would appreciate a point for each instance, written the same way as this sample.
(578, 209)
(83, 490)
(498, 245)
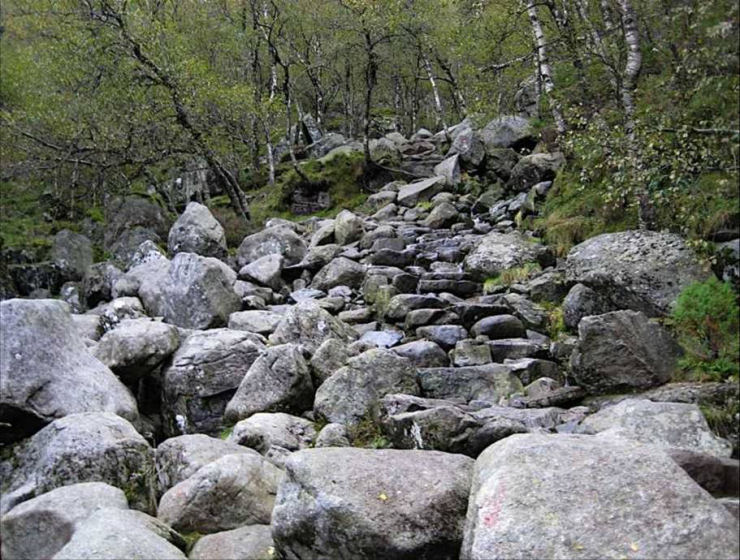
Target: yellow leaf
(382, 497)
(634, 547)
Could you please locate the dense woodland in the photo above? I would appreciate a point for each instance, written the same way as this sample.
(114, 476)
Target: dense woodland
(101, 97)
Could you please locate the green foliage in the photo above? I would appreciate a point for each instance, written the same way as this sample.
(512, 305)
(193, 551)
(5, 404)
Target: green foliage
(367, 433)
(706, 320)
(512, 276)
(555, 319)
(226, 432)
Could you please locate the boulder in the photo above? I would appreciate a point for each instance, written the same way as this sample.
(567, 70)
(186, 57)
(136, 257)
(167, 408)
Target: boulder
(255, 321)
(639, 270)
(489, 382)
(85, 447)
(533, 169)
(40, 527)
(274, 435)
(622, 351)
(72, 254)
(126, 214)
(348, 227)
(575, 496)
(445, 336)
(178, 458)
(385, 152)
(328, 358)
(309, 325)
(247, 481)
(469, 146)
(136, 347)
(443, 215)
(354, 390)
(381, 339)
(497, 252)
(339, 272)
(278, 381)
(197, 231)
(499, 326)
(46, 371)
(423, 353)
(203, 376)
(509, 132)
(333, 435)
(582, 301)
(363, 503)
(661, 424)
(97, 284)
(111, 534)
(401, 305)
(265, 271)
(274, 240)
(193, 292)
(450, 170)
(253, 542)
(409, 195)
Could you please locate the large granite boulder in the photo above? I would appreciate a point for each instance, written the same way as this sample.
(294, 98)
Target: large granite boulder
(508, 132)
(309, 325)
(348, 227)
(47, 372)
(339, 272)
(622, 351)
(197, 231)
(252, 541)
(468, 144)
(582, 301)
(640, 270)
(227, 493)
(72, 253)
(489, 382)
(360, 503)
(665, 425)
(275, 435)
(278, 381)
(498, 252)
(192, 292)
(41, 526)
(202, 377)
(533, 169)
(420, 191)
(265, 270)
(272, 240)
(575, 496)
(86, 447)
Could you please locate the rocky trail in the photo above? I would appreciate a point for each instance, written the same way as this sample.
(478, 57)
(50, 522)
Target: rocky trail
(393, 384)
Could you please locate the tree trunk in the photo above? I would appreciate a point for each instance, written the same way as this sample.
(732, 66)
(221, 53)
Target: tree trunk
(441, 122)
(371, 78)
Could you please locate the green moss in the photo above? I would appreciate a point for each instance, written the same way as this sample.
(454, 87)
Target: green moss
(190, 540)
(512, 276)
(367, 433)
(95, 213)
(226, 432)
(555, 319)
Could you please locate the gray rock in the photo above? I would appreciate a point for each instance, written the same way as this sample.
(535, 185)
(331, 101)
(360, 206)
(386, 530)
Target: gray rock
(719, 476)
(178, 458)
(500, 162)
(333, 435)
(275, 240)
(328, 358)
(385, 152)
(46, 371)
(272, 434)
(253, 542)
(193, 292)
(278, 381)
(117, 310)
(362, 503)
(355, 389)
(40, 527)
(72, 254)
(582, 301)
(197, 231)
(470, 353)
(339, 272)
(197, 503)
(379, 200)
(516, 348)
(497, 252)
(530, 369)
(663, 425)
(442, 215)
(401, 305)
(85, 447)
(97, 284)
(88, 326)
(125, 250)
(136, 347)
(490, 382)
(132, 212)
(409, 195)
(446, 336)
(450, 170)
(550, 287)
(348, 227)
(265, 271)
(499, 326)
(203, 376)
(533, 169)
(622, 350)
(639, 270)
(423, 353)
(381, 339)
(111, 534)
(508, 132)
(638, 501)
(309, 325)
(386, 213)
(71, 294)
(256, 321)
(468, 144)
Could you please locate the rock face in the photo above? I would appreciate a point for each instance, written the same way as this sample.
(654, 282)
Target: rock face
(661, 424)
(497, 252)
(193, 292)
(353, 390)
(622, 350)
(278, 381)
(204, 374)
(420, 191)
(72, 253)
(197, 503)
(253, 542)
(274, 240)
(639, 270)
(308, 324)
(361, 503)
(86, 447)
(40, 527)
(46, 371)
(339, 272)
(197, 231)
(570, 496)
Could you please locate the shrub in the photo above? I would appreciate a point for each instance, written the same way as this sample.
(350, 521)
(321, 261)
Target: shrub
(706, 321)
